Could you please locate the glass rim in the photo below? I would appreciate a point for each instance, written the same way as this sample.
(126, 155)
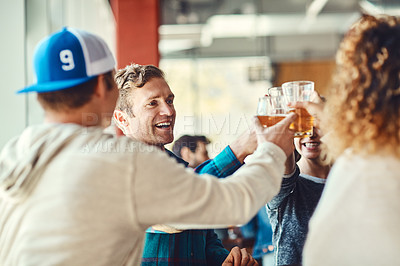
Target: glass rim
(275, 90)
(299, 82)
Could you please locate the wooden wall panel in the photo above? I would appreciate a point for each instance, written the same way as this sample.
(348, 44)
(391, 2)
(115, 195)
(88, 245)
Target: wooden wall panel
(318, 71)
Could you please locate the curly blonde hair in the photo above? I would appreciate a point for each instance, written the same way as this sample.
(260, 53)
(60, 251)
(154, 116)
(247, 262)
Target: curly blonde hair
(363, 109)
(131, 77)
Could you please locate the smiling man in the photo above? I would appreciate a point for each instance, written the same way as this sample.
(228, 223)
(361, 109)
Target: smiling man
(145, 112)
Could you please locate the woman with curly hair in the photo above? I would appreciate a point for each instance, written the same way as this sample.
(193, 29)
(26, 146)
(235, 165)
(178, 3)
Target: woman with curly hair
(357, 221)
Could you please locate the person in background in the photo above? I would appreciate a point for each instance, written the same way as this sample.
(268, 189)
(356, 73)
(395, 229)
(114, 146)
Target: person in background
(357, 219)
(145, 112)
(72, 195)
(192, 149)
(301, 189)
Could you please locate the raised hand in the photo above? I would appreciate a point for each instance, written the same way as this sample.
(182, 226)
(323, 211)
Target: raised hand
(315, 107)
(279, 134)
(245, 144)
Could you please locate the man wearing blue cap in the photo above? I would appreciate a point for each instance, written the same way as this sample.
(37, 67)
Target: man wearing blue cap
(72, 195)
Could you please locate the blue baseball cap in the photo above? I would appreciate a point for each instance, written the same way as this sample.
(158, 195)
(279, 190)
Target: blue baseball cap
(68, 58)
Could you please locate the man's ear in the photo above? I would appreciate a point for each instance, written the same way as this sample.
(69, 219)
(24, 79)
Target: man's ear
(121, 120)
(186, 154)
(101, 87)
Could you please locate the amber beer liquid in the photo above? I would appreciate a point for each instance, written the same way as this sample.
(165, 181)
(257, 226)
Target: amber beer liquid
(270, 120)
(303, 125)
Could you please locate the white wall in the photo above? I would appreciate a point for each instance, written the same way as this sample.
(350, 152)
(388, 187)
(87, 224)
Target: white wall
(12, 68)
(21, 28)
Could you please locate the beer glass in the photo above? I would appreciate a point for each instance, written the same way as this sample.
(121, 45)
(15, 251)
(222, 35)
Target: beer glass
(275, 91)
(300, 91)
(271, 110)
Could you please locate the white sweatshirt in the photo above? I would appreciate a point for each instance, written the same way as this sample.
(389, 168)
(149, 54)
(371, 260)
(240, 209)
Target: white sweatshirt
(76, 196)
(357, 221)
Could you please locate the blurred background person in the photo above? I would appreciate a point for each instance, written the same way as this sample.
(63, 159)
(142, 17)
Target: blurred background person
(357, 219)
(192, 149)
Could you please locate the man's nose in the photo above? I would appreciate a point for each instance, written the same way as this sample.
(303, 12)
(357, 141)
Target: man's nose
(167, 109)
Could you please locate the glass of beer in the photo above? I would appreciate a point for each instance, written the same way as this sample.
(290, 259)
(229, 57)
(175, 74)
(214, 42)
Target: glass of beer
(271, 110)
(300, 91)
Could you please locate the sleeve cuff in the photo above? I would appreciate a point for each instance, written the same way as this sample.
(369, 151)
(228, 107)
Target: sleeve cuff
(272, 149)
(291, 174)
(228, 155)
(226, 162)
(288, 180)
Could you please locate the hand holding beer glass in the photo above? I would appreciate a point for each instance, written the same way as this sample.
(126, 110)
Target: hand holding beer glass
(300, 91)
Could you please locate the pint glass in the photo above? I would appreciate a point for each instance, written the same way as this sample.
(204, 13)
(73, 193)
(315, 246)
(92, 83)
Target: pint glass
(271, 110)
(300, 91)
